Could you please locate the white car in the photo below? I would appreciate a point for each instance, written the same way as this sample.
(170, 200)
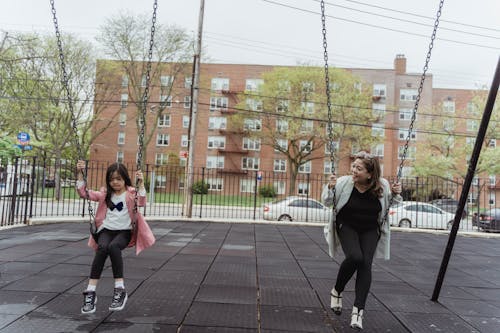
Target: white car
(413, 214)
(297, 209)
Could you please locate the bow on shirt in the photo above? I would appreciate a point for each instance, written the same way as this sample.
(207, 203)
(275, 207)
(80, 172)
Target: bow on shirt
(118, 206)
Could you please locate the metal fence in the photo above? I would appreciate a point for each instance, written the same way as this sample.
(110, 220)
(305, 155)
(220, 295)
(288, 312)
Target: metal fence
(31, 188)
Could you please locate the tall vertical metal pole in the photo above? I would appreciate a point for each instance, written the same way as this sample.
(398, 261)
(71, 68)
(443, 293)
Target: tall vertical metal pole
(188, 189)
(488, 109)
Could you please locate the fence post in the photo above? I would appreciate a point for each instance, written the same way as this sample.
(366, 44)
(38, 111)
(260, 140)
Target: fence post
(255, 195)
(308, 182)
(202, 188)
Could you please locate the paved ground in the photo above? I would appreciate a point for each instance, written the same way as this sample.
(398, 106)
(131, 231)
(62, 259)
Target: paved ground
(221, 277)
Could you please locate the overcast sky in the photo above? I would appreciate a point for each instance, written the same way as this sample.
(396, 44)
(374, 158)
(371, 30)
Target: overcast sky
(364, 33)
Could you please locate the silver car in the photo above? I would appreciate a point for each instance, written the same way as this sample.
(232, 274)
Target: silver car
(297, 209)
(414, 214)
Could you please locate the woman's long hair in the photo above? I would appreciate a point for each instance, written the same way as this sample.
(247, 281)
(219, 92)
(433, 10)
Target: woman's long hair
(123, 172)
(372, 165)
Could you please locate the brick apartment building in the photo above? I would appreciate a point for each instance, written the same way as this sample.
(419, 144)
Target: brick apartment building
(227, 152)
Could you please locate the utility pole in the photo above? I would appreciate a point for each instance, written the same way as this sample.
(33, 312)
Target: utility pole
(188, 188)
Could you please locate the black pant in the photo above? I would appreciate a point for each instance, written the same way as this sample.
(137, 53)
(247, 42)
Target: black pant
(110, 242)
(359, 249)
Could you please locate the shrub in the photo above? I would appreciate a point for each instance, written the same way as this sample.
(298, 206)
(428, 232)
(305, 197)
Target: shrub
(267, 191)
(200, 187)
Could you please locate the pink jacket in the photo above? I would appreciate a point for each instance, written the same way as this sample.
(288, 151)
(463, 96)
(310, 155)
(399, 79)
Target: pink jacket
(143, 238)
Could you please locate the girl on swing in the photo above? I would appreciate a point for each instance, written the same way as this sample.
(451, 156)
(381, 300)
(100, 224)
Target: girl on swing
(115, 229)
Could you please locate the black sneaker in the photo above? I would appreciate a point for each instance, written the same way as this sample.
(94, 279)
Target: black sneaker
(89, 302)
(119, 299)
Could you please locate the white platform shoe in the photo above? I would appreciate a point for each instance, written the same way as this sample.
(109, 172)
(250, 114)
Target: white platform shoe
(336, 302)
(357, 318)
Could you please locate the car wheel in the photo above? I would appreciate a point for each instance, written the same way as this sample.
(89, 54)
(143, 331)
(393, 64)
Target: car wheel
(405, 223)
(285, 217)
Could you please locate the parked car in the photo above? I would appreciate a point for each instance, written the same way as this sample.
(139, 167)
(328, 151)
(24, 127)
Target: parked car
(296, 209)
(449, 205)
(490, 220)
(49, 183)
(414, 214)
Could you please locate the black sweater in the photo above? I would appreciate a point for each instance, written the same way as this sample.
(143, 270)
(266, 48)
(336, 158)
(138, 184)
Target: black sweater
(361, 211)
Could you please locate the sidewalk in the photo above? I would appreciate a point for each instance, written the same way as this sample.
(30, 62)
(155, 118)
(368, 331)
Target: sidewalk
(228, 277)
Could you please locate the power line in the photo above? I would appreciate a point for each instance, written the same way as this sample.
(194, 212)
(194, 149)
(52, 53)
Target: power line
(380, 27)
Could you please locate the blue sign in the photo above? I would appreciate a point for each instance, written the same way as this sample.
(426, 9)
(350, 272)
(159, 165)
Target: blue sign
(259, 175)
(23, 137)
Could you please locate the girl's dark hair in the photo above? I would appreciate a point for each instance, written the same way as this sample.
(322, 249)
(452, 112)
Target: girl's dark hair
(123, 172)
(372, 165)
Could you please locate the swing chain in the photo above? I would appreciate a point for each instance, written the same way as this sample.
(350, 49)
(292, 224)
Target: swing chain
(65, 83)
(144, 102)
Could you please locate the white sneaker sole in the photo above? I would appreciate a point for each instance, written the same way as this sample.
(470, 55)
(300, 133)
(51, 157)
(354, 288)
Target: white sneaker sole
(121, 307)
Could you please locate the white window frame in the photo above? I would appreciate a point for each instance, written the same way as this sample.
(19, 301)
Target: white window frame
(215, 123)
(303, 188)
(165, 101)
(185, 121)
(307, 145)
(378, 130)
(252, 124)
(216, 142)
(379, 89)
(218, 103)
(162, 140)
(283, 143)
(124, 81)
(184, 140)
(472, 125)
(215, 162)
(250, 163)
(378, 110)
(378, 150)
(251, 144)
(449, 106)
(408, 95)
(305, 167)
(253, 84)
(279, 187)
(403, 134)
(247, 186)
(448, 124)
(187, 102)
(215, 184)
(119, 156)
(405, 114)
(307, 107)
(279, 165)
(307, 126)
(164, 120)
(121, 138)
(282, 105)
(160, 181)
(161, 159)
(254, 104)
(124, 101)
(188, 82)
(336, 146)
(219, 84)
(410, 154)
(123, 119)
(282, 125)
(166, 80)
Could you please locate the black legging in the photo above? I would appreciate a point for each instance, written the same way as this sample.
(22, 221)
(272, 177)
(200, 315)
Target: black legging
(359, 249)
(110, 242)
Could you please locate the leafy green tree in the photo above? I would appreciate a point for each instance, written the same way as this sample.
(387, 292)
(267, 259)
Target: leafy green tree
(291, 104)
(8, 150)
(124, 38)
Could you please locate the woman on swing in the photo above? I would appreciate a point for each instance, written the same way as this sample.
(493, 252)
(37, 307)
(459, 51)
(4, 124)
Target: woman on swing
(361, 202)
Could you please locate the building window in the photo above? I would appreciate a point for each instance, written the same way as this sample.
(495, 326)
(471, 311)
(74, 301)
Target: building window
(217, 103)
(250, 163)
(184, 140)
(162, 140)
(307, 87)
(405, 114)
(215, 184)
(216, 142)
(403, 134)
(306, 126)
(164, 120)
(302, 188)
(124, 101)
(279, 166)
(166, 81)
(492, 143)
(378, 130)
(282, 145)
(305, 146)
(253, 84)
(220, 84)
(492, 199)
(448, 124)
(252, 124)
(282, 125)
(331, 144)
(378, 110)
(472, 108)
(449, 106)
(408, 95)
(282, 105)
(254, 104)
(493, 180)
(470, 141)
(160, 181)
(378, 150)
(307, 107)
(379, 90)
(119, 157)
(185, 121)
(279, 187)
(121, 138)
(188, 82)
(472, 125)
(124, 81)
(305, 167)
(328, 167)
(165, 101)
(161, 159)
(251, 144)
(215, 162)
(217, 123)
(187, 102)
(123, 119)
(410, 153)
(247, 186)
